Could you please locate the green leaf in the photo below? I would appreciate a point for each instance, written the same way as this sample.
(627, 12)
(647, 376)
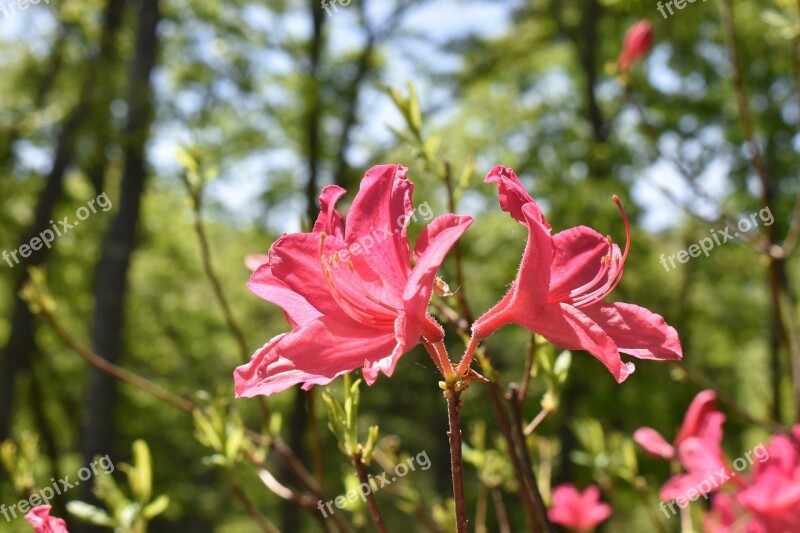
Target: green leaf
(90, 513)
(369, 448)
(156, 507)
(141, 475)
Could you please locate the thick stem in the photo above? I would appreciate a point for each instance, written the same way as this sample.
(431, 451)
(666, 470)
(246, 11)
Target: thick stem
(374, 512)
(453, 396)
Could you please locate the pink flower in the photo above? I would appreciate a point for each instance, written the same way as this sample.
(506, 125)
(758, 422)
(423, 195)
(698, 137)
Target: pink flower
(560, 288)
(772, 495)
(638, 41)
(39, 517)
(350, 294)
(698, 447)
(695, 422)
(582, 512)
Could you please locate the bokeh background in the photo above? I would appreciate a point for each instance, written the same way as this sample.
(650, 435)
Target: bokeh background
(257, 105)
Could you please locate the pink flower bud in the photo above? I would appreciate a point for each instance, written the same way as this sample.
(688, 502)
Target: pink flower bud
(638, 41)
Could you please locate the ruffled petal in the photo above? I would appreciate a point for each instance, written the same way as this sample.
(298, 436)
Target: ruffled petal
(696, 415)
(513, 196)
(295, 260)
(568, 327)
(653, 443)
(312, 355)
(377, 221)
(296, 308)
(432, 246)
(637, 331)
(328, 220)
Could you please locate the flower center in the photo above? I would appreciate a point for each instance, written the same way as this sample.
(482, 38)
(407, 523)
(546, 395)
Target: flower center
(351, 293)
(603, 282)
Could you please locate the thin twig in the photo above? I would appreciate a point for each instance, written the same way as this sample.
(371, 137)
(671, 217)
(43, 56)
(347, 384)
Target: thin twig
(526, 377)
(500, 510)
(703, 382)
(530, 477)
(216, 285)
(530, 428)
(117, 372)
(361, 470)
(640, 485)
(252, 510)
(461, 294)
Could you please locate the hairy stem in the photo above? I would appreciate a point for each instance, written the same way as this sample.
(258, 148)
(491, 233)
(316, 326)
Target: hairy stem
(453, 396)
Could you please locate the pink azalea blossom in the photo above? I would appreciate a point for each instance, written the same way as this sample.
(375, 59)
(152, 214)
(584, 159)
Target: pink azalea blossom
(697, 446)
(772, 494)
(39, 517)
(638, 41)
(694, 424)
(560, 288)
(581, 512)
(350, 294)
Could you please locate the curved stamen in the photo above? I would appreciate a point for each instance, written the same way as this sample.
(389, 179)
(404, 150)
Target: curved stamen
(604, 266)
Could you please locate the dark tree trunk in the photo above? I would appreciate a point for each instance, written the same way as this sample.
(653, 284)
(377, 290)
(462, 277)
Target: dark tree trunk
(18, 350)
(120, 241)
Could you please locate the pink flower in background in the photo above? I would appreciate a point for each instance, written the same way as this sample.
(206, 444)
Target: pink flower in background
(39, 517)
(349, 293)
(638, 41)
(698, 447)
(695, 422)
(560, 288)
(772, 494)
(581, 512)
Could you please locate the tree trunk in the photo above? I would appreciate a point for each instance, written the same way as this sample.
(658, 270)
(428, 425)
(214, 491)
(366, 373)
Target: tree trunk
(112, 269)
(18, 349)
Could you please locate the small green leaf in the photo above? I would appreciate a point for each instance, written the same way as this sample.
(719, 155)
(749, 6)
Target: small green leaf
(156, 507)
(90, 513)
(141, 474)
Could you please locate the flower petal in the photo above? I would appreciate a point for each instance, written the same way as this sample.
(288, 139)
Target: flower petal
(312, 355)
(431, 248)
(264, 284)
(697, 414)
(637, 331)
(295, 260)
(568, 327)
(653, 443)
(328, 219)
(530, 289)
(512, 194)
(577, 256)
(377, 220)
